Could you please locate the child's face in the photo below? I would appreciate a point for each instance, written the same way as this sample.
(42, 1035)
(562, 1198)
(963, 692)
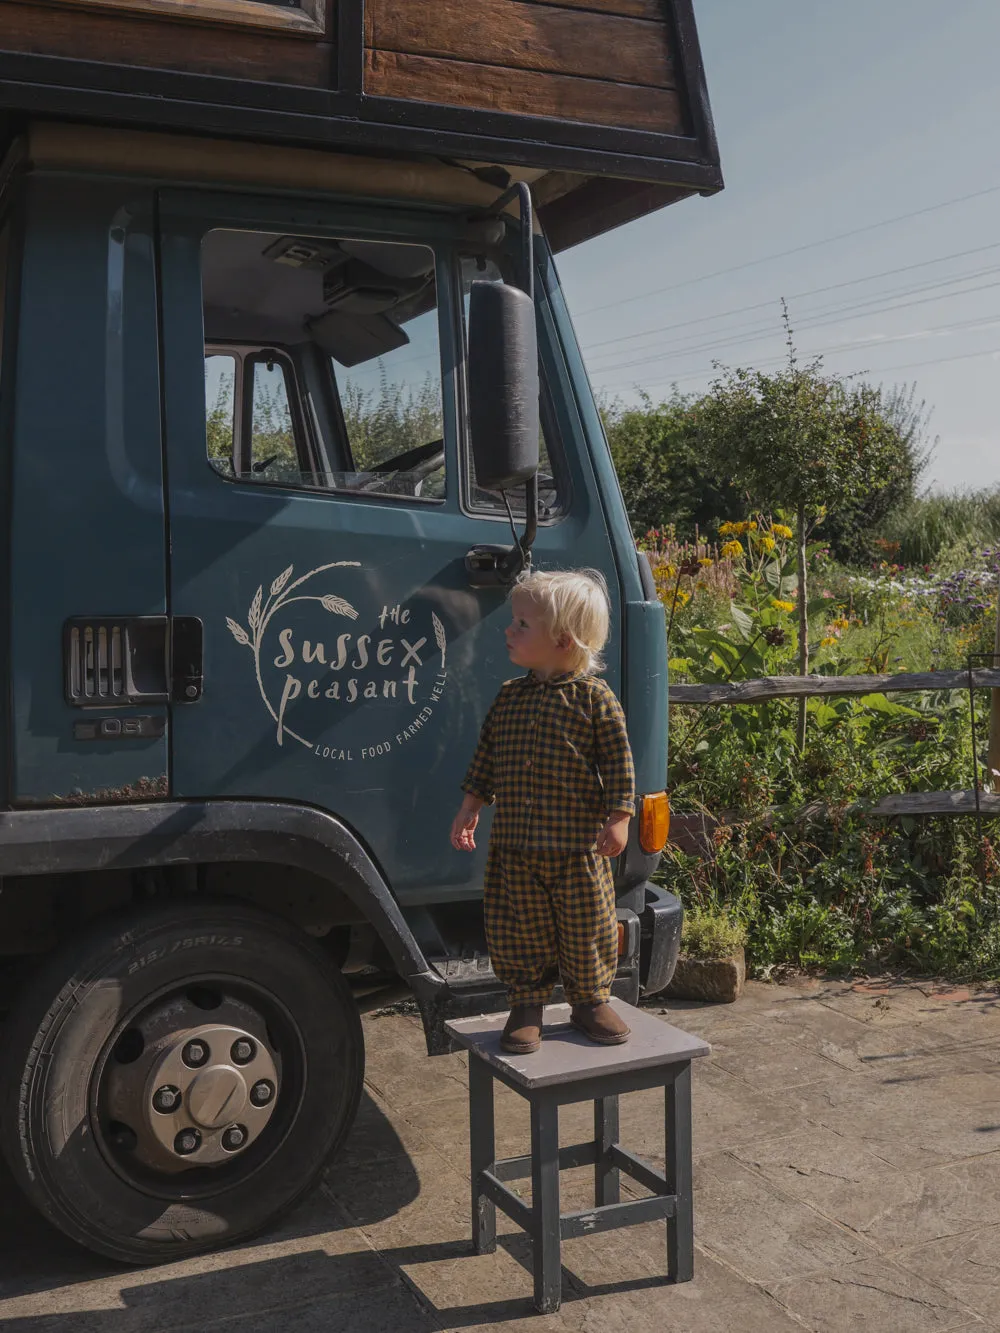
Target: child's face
(530, 642)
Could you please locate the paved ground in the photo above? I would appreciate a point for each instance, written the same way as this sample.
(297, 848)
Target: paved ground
(847, 1178)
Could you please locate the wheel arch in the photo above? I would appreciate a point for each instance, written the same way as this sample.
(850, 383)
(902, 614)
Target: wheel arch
(107, 839)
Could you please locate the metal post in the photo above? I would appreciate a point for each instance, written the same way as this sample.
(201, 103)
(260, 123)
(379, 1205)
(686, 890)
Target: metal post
(680, 1227)
(993, 759)
(607, 1179)
(482, 1153)
(545, 1203)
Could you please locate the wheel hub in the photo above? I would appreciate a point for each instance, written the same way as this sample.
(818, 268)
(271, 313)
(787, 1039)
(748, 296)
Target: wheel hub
(200, 1092)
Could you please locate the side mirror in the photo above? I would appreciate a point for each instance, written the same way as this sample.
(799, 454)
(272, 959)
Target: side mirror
(503, 385)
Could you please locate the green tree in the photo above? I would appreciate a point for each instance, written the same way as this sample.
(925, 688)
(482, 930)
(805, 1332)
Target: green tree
(664, 477)
(853, 528)
(799, 440)
(388, 422)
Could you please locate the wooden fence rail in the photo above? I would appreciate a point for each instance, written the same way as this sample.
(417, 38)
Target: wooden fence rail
(797, 687)
(809, 687)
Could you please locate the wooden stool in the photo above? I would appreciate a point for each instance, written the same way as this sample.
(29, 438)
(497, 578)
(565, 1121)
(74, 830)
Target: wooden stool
(569, 1068)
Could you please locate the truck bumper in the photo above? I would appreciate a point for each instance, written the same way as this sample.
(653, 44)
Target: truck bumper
(659, 938)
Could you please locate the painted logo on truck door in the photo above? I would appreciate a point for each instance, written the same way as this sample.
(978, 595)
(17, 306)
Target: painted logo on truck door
(344, 688)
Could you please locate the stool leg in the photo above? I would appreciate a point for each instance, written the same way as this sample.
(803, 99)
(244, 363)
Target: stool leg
(607, 1180)
(680, 1227)
(482, 1154)
(545, 1204)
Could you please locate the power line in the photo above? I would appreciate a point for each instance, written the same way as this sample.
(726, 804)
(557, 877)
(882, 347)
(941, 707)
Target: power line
(885, 370)
(796, 250)
(795, 296)
(820, 319)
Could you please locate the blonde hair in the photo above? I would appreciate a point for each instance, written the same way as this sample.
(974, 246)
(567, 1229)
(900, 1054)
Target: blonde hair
(573, 602)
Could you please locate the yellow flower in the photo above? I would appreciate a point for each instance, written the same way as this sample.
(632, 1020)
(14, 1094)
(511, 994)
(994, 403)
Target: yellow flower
(732, 549)
(752, 526)
(767, 543)
(782, 606)
(682, 597)
(780, 530)
(726, 529)
(705, 560)
(841, 623)
(828, 642)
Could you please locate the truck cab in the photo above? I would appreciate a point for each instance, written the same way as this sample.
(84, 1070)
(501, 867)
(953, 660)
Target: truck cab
(258, 557)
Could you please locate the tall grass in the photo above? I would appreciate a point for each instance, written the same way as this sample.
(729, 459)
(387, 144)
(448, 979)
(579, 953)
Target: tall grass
(932, 523)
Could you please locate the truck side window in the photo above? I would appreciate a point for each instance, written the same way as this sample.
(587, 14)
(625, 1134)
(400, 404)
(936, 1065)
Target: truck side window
(220, 406)
(552, 484)
(323, 364)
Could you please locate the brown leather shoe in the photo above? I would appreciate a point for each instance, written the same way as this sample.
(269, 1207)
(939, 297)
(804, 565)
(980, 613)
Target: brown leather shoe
(522, 1032)
(598, 1021)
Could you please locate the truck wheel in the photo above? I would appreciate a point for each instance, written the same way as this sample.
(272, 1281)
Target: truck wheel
(177, 1079)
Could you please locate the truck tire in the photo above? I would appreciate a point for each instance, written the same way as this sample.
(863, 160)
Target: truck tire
(178, 1078)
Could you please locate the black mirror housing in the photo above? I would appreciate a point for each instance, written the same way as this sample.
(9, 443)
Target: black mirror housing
(503, 385)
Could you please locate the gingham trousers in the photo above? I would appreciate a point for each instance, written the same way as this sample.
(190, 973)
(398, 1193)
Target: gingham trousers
(551, 915)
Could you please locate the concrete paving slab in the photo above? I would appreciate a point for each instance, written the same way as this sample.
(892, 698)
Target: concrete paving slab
(911, 1122)
(967, 1265)
(895, 1210)
(762, 1233)
(884, 1004)
(873, 1294)
(815, 1165)
(765, 1058)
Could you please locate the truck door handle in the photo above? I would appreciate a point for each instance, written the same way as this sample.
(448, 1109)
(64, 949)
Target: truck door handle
(121, 660)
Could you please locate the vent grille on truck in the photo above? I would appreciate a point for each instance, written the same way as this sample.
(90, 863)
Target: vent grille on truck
(116, 660)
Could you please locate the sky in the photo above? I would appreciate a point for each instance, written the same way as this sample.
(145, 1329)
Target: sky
(879, 118)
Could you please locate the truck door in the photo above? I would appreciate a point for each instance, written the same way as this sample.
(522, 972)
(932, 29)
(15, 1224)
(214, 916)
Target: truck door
(320, 511)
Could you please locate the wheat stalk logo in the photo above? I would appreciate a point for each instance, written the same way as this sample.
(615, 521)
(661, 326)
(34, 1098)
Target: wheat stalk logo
(261, 613)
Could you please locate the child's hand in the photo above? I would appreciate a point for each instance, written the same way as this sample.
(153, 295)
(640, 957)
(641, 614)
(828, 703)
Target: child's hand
(463, 828)
(613, 836)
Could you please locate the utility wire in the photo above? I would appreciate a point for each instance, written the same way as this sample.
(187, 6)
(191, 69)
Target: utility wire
(795, 250)
(794, 296)
(874, 374)
(822, 319)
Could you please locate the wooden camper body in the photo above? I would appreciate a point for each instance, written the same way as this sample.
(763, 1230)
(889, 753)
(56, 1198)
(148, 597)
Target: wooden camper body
(601, 103)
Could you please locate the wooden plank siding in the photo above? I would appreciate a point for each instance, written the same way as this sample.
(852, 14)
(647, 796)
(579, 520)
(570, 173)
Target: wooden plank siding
(595, 65)
(491, 88)
(128, 39)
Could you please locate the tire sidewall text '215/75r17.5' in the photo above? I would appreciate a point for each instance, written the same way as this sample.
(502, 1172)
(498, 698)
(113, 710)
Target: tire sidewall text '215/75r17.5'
(136, 988)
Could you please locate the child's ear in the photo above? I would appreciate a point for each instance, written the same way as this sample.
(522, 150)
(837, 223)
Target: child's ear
(563, 642)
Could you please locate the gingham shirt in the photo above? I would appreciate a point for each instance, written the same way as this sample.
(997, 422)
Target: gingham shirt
(554, 756)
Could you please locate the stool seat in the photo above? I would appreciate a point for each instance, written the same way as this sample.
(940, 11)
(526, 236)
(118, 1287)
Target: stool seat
(570, 1068)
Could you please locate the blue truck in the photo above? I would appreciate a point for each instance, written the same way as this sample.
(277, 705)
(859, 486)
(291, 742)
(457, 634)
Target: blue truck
(288, 396)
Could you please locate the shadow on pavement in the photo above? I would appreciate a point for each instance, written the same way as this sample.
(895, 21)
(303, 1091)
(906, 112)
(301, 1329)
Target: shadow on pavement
(35, 1258)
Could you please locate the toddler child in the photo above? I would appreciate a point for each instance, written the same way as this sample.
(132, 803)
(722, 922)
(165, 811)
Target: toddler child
(554, 756)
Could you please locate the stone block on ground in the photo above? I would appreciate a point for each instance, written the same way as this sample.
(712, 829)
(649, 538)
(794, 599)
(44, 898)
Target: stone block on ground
(719, 980)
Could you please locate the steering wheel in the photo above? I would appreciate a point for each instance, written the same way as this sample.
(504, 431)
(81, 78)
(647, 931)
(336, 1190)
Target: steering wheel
(422, 460)
(411, 459)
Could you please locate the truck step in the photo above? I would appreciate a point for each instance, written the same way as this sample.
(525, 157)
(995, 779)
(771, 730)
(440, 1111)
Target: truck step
(472, 969)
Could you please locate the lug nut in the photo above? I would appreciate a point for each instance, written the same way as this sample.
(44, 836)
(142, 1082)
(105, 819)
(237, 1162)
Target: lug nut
(243, 1051)
(261, 1093)
(234, 1138)
(166, 1099)
(187, 1142)
(194, 1054)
